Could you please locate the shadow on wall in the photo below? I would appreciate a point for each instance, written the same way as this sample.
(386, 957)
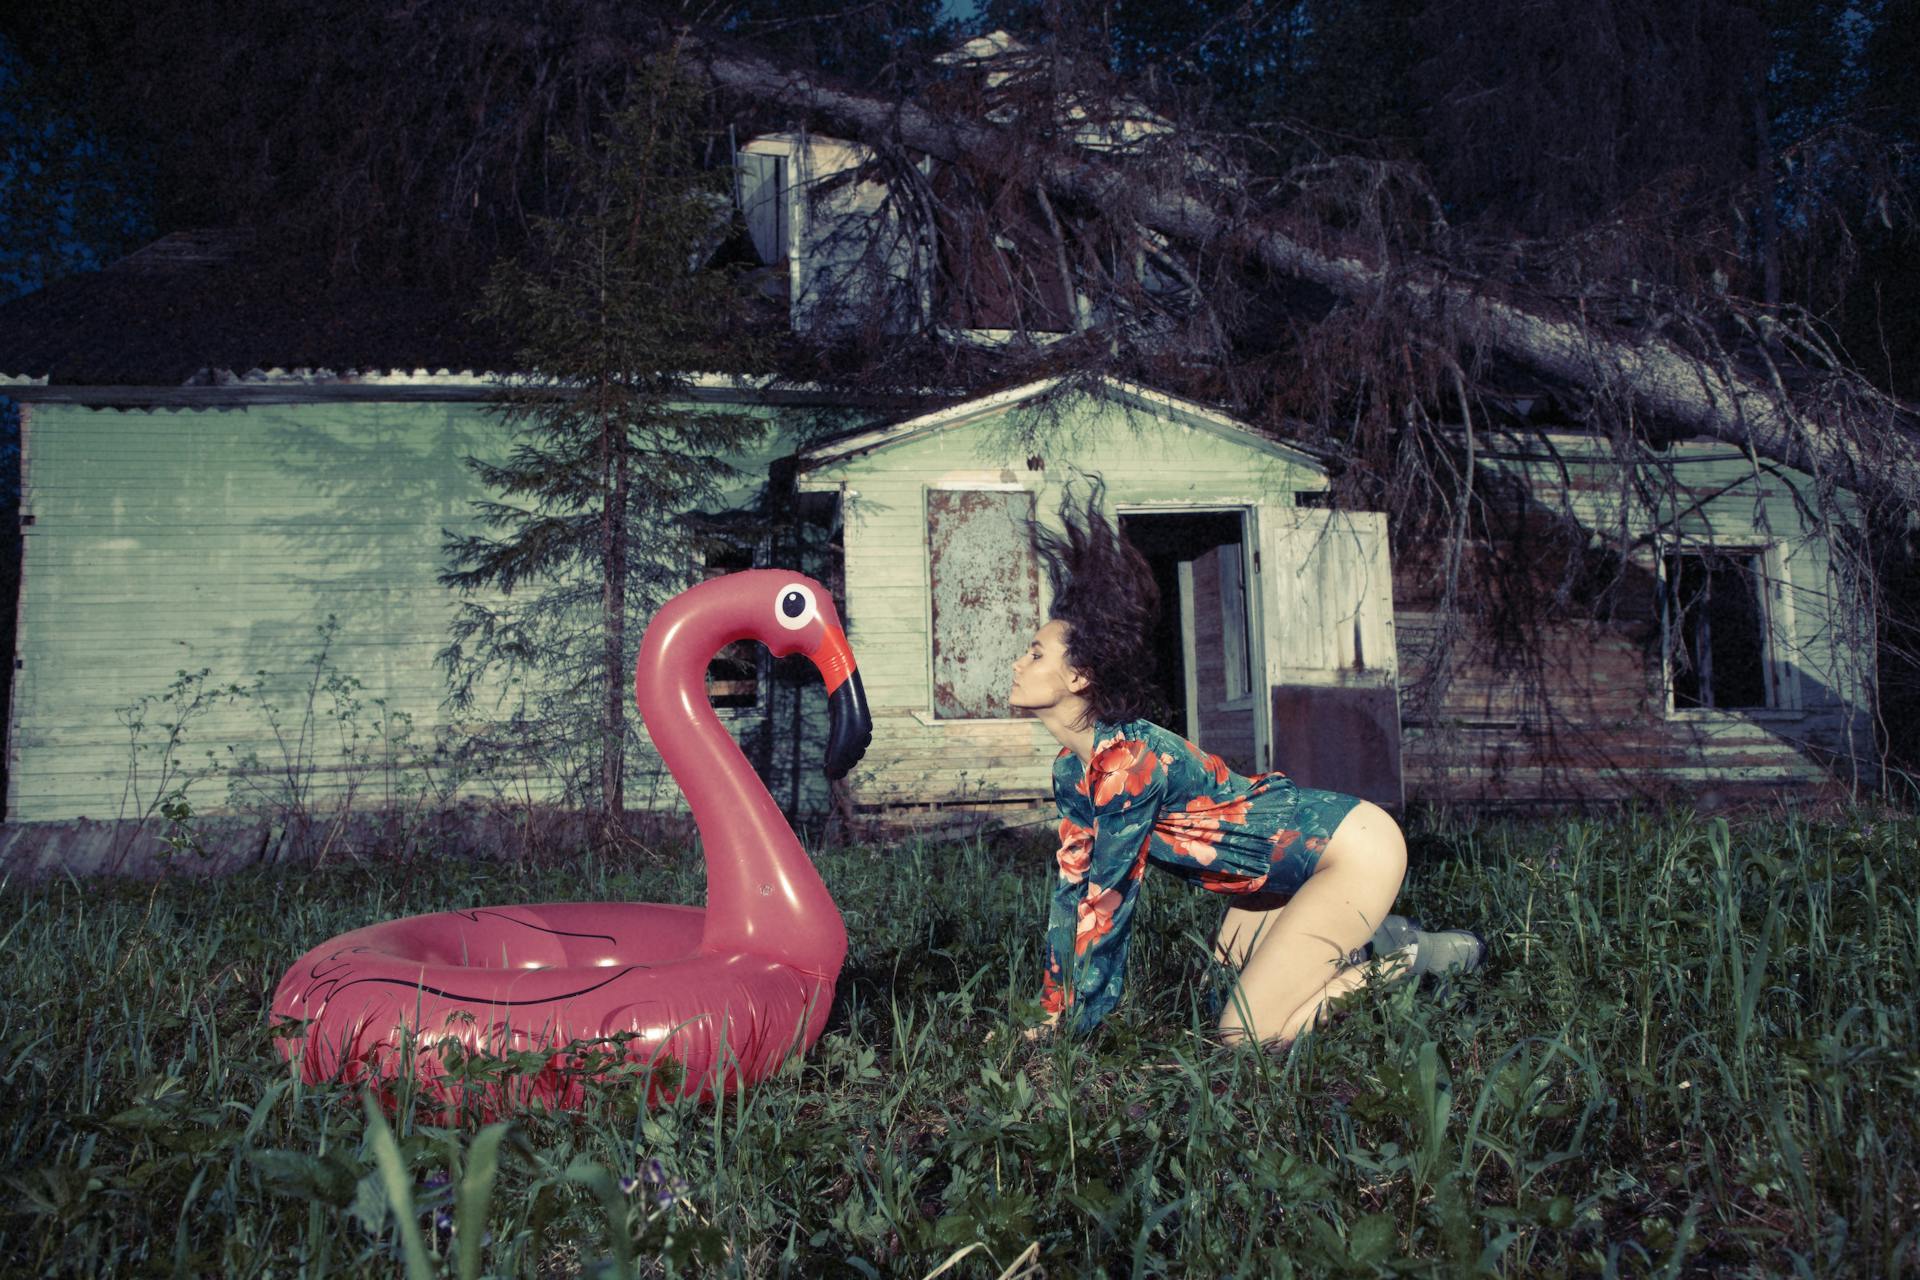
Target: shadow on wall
(348, 614)
(362, 546)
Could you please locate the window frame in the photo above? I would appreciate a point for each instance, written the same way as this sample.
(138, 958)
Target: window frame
(1767, 559)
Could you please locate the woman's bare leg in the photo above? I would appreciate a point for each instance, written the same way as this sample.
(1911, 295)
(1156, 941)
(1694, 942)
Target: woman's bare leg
(1293, 960)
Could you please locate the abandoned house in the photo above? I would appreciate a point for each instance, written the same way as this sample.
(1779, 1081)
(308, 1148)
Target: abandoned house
(216, 478)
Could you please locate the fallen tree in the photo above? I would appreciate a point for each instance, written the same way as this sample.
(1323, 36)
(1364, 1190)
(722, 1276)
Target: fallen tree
(1418, 333)
(1834, 425)
(437, 126)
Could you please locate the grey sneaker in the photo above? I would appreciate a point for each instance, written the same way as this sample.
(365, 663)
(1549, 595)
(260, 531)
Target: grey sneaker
(1394, 933)
(1439, 952)
(1445, 952)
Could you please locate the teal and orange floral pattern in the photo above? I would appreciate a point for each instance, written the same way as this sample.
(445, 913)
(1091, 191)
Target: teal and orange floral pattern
(1149, 795)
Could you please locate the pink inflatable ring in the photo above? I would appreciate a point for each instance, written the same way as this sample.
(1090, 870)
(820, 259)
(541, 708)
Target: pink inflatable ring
(726, 993)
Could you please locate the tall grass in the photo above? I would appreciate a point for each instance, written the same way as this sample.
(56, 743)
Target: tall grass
(1696, 1051)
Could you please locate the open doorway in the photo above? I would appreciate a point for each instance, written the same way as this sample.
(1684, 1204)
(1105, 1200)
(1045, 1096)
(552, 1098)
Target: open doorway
(1204, 641)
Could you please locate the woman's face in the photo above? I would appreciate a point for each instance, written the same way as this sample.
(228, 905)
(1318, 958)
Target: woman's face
(1041, 677)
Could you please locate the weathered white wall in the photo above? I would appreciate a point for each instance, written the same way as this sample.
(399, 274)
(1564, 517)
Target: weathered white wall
(842, 240)
(170, 541)
(1330, 587)
(1147, 460)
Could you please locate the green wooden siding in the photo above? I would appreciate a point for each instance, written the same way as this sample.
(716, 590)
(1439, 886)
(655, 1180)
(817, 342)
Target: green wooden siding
(224, 539)
(1604, 728)
(1722, 499)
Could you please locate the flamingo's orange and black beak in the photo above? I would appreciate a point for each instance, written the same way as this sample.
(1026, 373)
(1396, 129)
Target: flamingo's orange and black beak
(851, 730)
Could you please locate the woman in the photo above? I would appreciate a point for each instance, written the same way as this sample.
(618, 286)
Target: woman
(1313, 873)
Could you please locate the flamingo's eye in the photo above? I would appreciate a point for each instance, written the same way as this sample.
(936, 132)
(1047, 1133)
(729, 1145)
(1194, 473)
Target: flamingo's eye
(796, 608)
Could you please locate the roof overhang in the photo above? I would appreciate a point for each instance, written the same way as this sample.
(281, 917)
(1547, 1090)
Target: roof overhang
(1143, 399)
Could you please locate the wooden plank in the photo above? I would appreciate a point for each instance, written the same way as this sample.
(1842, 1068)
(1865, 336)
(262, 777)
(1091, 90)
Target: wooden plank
(1329, 605)
(1345, 740)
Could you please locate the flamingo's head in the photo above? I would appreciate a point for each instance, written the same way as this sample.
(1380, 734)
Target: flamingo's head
(806, 622)
(790, 613)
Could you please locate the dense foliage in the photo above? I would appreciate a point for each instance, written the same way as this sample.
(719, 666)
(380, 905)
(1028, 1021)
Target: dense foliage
(1760, 147)
(1694, 1053)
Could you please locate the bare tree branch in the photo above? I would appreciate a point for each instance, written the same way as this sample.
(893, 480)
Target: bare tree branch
(1661, 378)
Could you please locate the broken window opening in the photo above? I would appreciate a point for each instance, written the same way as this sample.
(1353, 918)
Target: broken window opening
(733, 675)
(1719, 651)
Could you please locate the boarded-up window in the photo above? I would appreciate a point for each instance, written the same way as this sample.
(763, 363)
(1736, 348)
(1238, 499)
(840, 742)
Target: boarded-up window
(986, 597)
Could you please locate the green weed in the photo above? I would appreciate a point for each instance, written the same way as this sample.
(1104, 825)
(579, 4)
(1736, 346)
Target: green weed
(1694, 1051)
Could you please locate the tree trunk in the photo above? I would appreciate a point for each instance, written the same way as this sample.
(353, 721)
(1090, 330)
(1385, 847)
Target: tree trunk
(613, 604)
(1662, 380)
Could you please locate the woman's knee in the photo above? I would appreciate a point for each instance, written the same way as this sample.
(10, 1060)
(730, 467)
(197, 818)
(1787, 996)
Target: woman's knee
(1238, 1019)
(1230, 1029)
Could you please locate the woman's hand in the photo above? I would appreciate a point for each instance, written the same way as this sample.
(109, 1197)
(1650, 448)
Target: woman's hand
(1041, 1030)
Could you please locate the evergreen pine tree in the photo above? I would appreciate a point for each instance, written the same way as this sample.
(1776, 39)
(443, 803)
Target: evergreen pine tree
(594, 522)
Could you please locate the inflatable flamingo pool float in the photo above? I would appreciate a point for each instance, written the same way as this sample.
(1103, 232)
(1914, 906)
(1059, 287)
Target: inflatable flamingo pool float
(725, 993)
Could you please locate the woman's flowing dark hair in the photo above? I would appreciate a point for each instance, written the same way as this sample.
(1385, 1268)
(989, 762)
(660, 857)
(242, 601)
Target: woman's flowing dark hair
(1105, 593)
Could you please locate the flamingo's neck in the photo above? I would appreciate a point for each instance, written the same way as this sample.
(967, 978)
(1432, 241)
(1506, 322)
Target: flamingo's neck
(763, 894)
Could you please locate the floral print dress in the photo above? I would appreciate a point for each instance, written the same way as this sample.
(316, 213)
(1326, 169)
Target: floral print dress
(1149, 795)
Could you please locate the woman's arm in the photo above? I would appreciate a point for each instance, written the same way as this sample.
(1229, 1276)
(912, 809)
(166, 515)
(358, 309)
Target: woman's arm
(1103, 854)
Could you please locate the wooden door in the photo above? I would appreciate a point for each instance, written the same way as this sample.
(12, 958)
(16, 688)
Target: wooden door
(1331, 663)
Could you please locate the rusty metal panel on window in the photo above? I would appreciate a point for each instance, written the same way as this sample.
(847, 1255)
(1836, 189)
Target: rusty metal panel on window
(985, 595)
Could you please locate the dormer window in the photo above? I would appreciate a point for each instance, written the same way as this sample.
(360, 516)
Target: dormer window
(838, 234)
(764, 190)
